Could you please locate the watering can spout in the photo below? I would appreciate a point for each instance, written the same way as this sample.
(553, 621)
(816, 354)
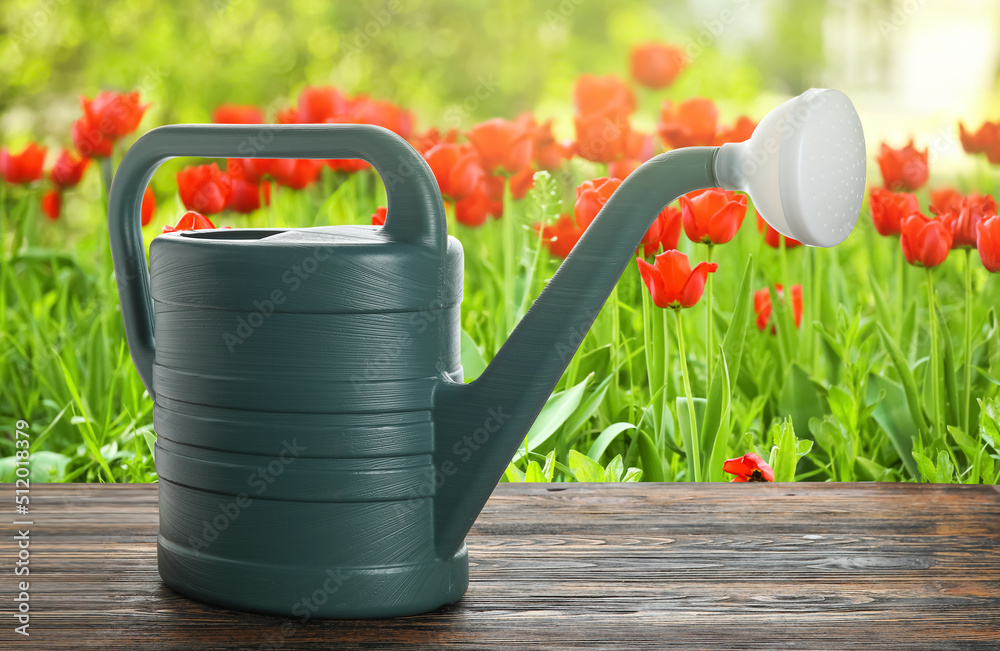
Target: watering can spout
(804, 168)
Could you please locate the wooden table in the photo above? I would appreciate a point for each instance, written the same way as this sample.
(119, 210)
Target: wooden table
(748, 566)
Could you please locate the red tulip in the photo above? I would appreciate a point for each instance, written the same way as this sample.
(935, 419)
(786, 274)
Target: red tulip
(965, 216)
(640, 146)
(548, 153)
(749, 467)
(671, 281)
(384, 114)
(762, 305)
(985, 140)
(561, 237)
(590, 198)
(299, 174)
(603, 106)
(191, 221)
(378, 219)
(712, 216)
(425, 141)
(620, 169)
(148, 206)
(772, 237)
(903, 169)
(989, 242)
(521, 182)
(889, 209)
(318, 104)
(503, 146)
(52, 204)
(655, 65)
(688, 124)
(741, 131)
(925, 241)
(245, 196)
(663, 234)
(237, 114)
(204, 188)
(475, 208)
(287, 115)
(456, 169)
(602, 95)
(22, 168)
(115, 114)
(69, 169)
(90, 140)
(944, 199)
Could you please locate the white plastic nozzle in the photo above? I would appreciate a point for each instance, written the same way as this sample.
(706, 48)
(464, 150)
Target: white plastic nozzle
(803, 167)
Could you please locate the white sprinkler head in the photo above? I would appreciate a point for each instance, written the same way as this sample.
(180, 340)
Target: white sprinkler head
(803, 167)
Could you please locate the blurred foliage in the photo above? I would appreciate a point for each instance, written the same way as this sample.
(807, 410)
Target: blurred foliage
(452, 61)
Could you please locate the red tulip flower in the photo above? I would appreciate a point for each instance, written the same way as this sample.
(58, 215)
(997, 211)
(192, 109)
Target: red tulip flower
(548, 152)
(561, 237)
(378, 219)
(22, 168)
(299, 174)
(237, 114)
(148, 206)
(671, 281)
(712, 216)
(772, 237)
(926, 242)
(246, 196)
(749, 467)
(475, 208)
(288, 115)
(663, 234)
(688, 124)
(989, 242)
(503, 146)
(944, 199)
(191, 221)
(985, 140)
(965, 216)
(889, 209)
(903, 169)
(456, 169)
(762, 305)
(318, 104)
(115, 114)
(591, 196)
(601, 118)
(620, 169)
(655, 65)
(425, 141)
(741, 131)
(90, 140)
(383, 114)
(52, 204)
(204, 188)
(69, 169)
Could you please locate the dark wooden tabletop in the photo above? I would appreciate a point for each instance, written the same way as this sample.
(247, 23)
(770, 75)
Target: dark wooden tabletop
(712, 566)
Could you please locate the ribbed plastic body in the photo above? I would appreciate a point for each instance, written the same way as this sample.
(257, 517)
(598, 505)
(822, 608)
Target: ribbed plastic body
(294, 375)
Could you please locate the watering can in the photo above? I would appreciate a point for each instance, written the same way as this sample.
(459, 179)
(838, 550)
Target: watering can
(319, 454)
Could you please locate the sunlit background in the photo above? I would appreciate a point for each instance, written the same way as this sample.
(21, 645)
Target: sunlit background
(913, 67)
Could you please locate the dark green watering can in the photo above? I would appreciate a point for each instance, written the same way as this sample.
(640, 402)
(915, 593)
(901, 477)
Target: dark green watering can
(318, 451)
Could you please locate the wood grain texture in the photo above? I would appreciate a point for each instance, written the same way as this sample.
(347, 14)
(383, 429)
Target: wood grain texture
(754, 566)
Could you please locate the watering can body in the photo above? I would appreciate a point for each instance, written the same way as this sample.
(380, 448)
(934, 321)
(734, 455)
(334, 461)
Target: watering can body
(319, 453)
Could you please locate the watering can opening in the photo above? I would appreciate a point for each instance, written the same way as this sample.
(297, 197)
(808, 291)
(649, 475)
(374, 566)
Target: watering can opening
(231, 234)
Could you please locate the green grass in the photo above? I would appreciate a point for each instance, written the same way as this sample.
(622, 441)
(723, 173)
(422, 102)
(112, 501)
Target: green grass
(849, 396)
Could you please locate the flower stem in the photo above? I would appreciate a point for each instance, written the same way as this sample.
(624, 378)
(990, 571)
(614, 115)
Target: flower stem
(509, 257)
(935, 377)
(968, 340)
(900, 288)
(692, 418)
(709, 330)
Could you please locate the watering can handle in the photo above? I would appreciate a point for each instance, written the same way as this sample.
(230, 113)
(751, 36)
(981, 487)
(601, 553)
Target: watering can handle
(415, 210)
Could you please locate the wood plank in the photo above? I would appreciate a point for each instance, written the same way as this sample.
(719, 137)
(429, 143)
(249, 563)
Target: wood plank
(713, 566)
